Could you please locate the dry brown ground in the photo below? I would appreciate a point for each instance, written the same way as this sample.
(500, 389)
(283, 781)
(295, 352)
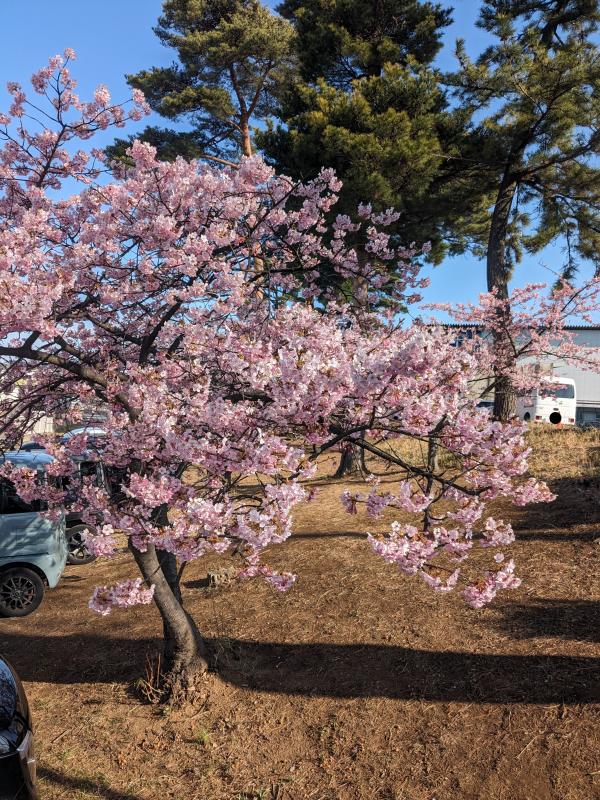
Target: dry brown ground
(359, 683)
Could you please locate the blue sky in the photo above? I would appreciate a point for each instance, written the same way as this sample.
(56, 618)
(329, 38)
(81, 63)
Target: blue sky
(115, 37)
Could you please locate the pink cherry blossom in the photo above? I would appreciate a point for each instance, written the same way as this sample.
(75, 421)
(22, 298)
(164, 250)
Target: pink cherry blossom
(122, 595)
(101, 543)
(478, 594)
(439, 585)
(496, 533)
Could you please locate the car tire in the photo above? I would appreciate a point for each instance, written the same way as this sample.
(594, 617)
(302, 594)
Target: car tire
(21, 592)
(78, 552)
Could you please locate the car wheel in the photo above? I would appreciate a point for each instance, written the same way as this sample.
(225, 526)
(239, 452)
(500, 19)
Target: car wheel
(78, 552)
(21, 592)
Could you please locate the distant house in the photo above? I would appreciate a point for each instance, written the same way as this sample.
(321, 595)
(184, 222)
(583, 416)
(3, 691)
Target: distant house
(73, 415)
(43, 427)
(587, 382)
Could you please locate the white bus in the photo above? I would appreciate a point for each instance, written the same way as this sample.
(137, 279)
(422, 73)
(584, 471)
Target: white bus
(554, 401)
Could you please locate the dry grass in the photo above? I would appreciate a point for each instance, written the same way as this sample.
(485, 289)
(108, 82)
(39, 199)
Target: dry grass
(359, 684)
(564, 453)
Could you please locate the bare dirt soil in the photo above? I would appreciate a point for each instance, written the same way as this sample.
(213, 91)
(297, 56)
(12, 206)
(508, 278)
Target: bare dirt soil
(358, 684)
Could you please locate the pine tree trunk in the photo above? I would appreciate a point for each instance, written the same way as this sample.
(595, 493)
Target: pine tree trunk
(498, 275)
(246, 140)
(259, 264)
(505, 398)
(184, 648)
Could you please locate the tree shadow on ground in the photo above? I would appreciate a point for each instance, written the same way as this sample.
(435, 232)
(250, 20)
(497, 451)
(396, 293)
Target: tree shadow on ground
(557, 536)
(90, 786)
(323, 669)
(408, 674)
(577, 503)
(553, 535)
(577, 620)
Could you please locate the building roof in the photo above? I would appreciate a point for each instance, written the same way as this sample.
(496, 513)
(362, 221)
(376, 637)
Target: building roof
(475, 325)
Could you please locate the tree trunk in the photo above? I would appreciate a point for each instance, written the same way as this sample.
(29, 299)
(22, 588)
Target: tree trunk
(498, 275)
(259, 264)
(246, 140)
(352, 461)
(432, 467)
(505, 398)
(349, 461)
(184, 647)
(364, 468)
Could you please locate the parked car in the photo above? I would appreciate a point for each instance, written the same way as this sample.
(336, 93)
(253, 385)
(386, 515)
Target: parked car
(33, 548)
(78, 552)
(76, 527)
(94, 435)
(17, 756)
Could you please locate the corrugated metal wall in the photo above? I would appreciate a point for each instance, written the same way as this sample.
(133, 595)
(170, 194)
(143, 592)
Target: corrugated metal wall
(587, 382)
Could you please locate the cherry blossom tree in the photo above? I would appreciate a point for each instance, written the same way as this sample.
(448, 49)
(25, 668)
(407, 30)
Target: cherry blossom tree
(137, 288)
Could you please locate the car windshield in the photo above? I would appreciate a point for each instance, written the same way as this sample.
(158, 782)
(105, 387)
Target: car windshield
(565, 391)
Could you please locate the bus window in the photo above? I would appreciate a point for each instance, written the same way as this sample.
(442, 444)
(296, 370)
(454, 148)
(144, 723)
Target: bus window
(565, 391)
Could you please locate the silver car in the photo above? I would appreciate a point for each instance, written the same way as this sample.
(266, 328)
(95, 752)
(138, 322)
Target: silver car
(33, 547)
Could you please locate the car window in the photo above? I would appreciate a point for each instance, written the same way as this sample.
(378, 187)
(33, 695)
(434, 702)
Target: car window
(87, 469)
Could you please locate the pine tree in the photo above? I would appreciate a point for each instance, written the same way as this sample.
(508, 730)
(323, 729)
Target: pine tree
(232, 57)
(535, 94)
(369, 104)
(344, 40)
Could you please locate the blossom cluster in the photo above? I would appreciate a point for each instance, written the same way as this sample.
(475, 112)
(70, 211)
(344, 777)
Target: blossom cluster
(123, 595)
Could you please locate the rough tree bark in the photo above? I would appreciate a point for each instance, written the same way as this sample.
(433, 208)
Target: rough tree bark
(246, 139)
(349, 461)
(185, 652)
(498, 275)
